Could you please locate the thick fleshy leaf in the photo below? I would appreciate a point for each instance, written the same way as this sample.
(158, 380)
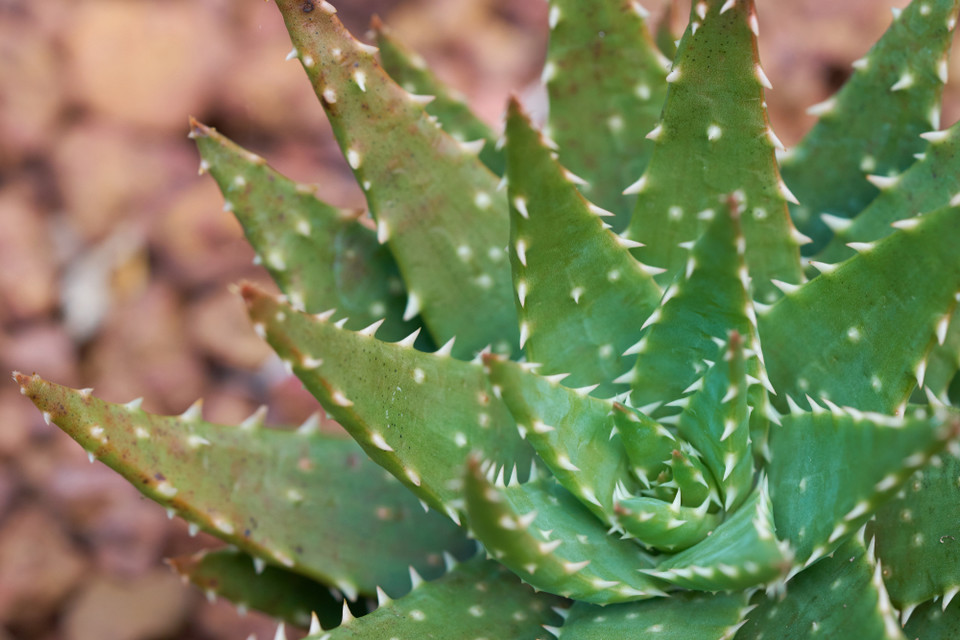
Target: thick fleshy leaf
(819, 495)
(236, 576)
(859, 334)
(703, 307)
(607, 83)
(548, 538)
(693, 479)
(694, 320)
(410, 71)
(295, 498)
(918, 540)
(742, 552)
(943, 363)
(570, 431)
(576, 436)
(929, 184)
(716, 422)
(680, 617)
(663, 465)
(321, 257)
(872, 126)
(839, 597)
(476, 599)
(436, 205)
(649, 445)
(418, 415)
(579, 310)
(931, 622)
(714, 142)
(663, 525)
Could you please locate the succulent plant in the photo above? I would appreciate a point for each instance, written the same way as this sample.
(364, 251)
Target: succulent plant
(666, 391)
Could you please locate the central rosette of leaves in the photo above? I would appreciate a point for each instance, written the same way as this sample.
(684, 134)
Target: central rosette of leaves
(663, 466)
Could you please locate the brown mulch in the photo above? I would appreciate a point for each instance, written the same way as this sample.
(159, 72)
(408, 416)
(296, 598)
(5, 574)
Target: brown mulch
(115, 257)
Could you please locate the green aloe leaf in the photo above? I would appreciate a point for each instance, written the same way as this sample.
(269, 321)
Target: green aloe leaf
(695, 483)
(859, 333)
(607, 83)
(839, 597)
(235, 575)
(717, 617)
(579, 310)
(571, 432)
(546, 536)
(714, 145)
(943, 363)
(929, 184)
(476, 599)
(649, 445)
(716, 422)
(701, 308)
(918, 536)
(436, 205)
(661, 464)
(931, 622)
(819, 497)
(452, 112)
(418, 415)
(663, 525)
(321, 257)
(741, 552)
(576, 436)
(872, 126)
(294, 498)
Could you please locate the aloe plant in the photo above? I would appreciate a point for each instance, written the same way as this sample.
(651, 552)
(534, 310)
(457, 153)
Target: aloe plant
(641, 383)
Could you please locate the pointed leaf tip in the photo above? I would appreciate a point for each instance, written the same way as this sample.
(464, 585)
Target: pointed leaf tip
(223, 477)
(394, 146)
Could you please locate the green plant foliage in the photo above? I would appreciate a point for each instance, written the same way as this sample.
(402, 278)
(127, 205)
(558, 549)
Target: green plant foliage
(284, 594)
(410, 71)
(260, 489)
(872, 126)
(625, 73)
(611, 375)
(320, 257)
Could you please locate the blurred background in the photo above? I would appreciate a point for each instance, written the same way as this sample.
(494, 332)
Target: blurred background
(115, 258)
